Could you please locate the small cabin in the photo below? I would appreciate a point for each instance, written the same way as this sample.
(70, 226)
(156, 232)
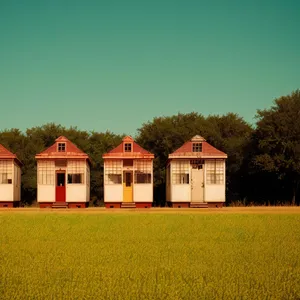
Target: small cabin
(128, 176)
(195, 175)
(63, 176)
(10, 178)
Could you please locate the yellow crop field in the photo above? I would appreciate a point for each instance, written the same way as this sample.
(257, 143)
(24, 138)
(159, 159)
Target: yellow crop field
(97, 254)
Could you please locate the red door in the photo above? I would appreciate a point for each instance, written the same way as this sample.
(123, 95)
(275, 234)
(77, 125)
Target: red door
(60, 187)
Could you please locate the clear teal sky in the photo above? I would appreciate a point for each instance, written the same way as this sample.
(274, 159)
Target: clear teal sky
(114, 65)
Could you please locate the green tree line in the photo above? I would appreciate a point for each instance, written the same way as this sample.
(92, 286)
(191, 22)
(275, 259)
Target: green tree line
(263, 165)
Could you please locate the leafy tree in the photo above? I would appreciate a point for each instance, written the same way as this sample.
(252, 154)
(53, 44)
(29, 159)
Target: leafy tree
(100, 143)
(278, 140)
(232, 135)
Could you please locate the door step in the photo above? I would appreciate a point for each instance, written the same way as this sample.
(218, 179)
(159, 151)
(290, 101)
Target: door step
(198, 205)
(60, 205)
(128, 205)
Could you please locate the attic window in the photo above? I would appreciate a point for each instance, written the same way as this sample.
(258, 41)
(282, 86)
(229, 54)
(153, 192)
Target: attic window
(127, 147)
(61, 147)
(197, 147)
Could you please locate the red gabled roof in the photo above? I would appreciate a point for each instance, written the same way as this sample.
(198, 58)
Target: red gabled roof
(208, 151)
(71, 151)
(6, 154)
(137, 150)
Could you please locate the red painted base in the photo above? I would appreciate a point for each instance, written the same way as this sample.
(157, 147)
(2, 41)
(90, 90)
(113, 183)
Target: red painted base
(215, 204)
(70, 205)
(137, 204)
(46, 205)
(78, 205)
(143, 204)
(180, 204)
(187, 204)
(112, 205)
(9, 204)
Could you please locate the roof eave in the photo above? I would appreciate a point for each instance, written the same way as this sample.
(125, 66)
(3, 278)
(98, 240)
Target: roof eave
(39, 156)
(18, 162)
(124, 156)
(196, 156)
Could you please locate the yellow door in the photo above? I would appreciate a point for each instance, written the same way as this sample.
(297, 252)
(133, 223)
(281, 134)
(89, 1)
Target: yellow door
(127, 186)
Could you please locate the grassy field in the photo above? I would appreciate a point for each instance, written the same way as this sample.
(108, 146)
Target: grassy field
(154, 254)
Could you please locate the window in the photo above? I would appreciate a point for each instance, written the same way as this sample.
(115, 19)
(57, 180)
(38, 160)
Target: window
(5, 178)
(197, 163)
(6, 172)
(141, 177)
(46, 172)
(181, 172)
(61, 147)
(60, 179)
(181, 179)
(114, 179)
(75, 178)
(113, 171)
(76, 171)
(197, 147)
(143, 170)
(127, 178)
(127, 147)
(215, 171)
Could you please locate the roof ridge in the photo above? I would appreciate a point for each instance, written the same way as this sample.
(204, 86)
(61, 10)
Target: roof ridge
(71, 150)
(207, 150)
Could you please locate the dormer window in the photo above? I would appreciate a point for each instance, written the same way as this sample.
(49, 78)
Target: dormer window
(61, 147)
(197, 147)
(127, 147)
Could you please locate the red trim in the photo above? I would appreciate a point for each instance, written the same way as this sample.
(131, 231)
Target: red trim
(9, 204)
(143, 204)
(187, 204)
(215, 204)
(78, 205)
(112, 205)
(180, 204)
(46, 205)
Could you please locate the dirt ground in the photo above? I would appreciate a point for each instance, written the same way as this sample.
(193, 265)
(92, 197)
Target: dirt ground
(163, 210)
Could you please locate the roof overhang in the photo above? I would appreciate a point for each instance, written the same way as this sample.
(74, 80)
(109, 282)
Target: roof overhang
(56, 157)
(18, 162)
(183, 156)
(127, 156)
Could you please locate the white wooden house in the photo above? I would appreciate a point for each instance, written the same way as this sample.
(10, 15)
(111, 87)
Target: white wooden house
(63, 176)
(10, 178)
(128, 176)
(195, 175)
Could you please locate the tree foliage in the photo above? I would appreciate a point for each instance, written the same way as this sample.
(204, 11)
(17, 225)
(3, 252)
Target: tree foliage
(278, 140)
(263, 163)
